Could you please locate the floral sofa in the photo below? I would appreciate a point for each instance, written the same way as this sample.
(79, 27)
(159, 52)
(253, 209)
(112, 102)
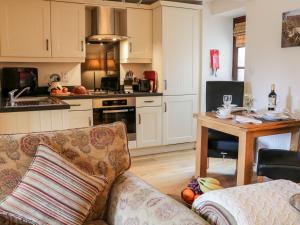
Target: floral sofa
(100, 150)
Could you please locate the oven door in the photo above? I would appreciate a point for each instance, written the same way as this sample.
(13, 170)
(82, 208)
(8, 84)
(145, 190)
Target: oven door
(114, 114)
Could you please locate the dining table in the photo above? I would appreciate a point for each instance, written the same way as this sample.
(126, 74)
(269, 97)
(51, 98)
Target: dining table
(247, 135)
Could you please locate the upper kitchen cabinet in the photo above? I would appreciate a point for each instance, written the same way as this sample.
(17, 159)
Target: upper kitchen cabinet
(138, 47)
(25, 28)
(176, 49)
(68, 29)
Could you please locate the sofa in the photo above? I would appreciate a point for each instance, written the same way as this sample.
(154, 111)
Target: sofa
(100, 150)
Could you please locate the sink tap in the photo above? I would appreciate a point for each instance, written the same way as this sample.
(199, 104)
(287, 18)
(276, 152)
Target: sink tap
(12, 97)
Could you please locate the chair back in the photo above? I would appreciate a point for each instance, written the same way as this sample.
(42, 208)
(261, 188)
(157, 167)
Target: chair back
(216, 89)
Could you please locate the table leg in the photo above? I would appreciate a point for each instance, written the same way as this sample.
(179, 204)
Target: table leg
(245, 159)
(295, 140)
(201, 150)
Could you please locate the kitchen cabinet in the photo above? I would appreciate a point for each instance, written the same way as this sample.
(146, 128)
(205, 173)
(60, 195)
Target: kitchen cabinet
(25, 28)
(138, 47)
(68, 29)
(33, 121)
(80, 113)
(176, 49)
(178, 123)
(149, 126)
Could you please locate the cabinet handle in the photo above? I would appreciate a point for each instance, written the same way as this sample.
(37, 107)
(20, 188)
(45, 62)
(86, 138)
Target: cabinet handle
(150, 101)
(166, 85)
(140, 119)
(82, 46)
(74, 105)
(130, 47)
(90, 121)
(47, 44)
(165, 107)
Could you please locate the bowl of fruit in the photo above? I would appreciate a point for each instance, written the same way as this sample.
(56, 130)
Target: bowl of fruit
(197, 187)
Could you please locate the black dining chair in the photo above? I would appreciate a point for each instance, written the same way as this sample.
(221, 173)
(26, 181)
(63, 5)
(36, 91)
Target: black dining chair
(221, 145)
(278, 164)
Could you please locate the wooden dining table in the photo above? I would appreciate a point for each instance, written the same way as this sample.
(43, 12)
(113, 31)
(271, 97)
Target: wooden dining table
(247, 134)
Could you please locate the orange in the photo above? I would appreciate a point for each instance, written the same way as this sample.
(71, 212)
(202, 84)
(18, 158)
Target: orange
(188, 195)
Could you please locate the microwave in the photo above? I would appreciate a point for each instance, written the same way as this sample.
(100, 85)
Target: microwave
(19, 78)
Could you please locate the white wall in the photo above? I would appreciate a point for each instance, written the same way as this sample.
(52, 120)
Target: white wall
(217, 34)
(268, 63)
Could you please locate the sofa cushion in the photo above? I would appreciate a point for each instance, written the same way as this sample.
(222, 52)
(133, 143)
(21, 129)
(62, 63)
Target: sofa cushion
(53, 191)
(96, 150)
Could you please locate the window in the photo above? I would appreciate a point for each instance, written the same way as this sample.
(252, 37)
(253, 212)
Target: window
(239, 49)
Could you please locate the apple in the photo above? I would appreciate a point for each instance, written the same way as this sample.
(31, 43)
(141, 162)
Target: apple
(65, 90)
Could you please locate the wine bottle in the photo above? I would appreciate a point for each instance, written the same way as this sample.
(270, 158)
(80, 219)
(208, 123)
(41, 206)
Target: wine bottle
(272, 99)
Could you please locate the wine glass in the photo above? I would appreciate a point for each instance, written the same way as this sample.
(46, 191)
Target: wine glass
(227, 99)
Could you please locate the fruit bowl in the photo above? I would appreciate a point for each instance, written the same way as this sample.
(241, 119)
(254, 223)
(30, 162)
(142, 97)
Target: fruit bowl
(197, 187)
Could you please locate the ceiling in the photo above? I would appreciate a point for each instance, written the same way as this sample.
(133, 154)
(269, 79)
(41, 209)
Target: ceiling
(148, 2)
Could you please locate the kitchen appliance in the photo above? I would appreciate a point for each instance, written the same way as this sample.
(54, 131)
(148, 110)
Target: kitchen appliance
(116, 109)
(128, 82)
(108, 24)
(152, 76)
(19, 78)
(144, 85)
(54, 82)
(110, 83)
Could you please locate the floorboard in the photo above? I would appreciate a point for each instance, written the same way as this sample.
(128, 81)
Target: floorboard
(170, 172)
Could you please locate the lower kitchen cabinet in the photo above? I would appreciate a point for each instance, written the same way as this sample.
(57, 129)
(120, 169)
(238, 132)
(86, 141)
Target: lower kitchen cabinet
(149, 130)
(80, 113)
(178, 123)
(79, 119)
(33, 121)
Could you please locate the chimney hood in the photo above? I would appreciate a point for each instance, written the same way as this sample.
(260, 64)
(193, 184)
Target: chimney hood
(108, 24)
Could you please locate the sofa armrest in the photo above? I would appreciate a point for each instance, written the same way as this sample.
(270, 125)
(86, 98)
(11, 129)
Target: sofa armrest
(132, 201)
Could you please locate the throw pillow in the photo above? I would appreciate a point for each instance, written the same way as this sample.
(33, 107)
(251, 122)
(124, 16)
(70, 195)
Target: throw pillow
(53, 191)
(295, 201)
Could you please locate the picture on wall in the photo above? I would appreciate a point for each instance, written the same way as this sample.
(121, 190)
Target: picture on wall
(290, 29)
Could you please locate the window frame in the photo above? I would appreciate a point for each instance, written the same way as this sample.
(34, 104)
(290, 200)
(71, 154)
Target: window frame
(235, 66)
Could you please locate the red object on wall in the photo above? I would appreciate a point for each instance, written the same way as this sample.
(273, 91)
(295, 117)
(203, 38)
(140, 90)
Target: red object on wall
(215, 59)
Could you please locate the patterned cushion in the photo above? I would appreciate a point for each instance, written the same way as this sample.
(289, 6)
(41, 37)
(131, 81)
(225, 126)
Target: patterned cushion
(53, 191)
(96, 150)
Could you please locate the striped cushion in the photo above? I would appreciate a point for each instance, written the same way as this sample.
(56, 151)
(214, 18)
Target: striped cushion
(53, 191)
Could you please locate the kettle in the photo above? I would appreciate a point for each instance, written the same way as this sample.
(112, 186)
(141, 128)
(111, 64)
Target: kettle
(54, 82)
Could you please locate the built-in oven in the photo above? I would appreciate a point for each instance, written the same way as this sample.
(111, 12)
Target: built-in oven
(116, 109)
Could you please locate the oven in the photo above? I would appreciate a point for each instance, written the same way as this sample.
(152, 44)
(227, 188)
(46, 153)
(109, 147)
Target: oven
(116, 109)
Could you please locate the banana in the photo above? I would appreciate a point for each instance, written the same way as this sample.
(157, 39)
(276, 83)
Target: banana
(204, 189)
(212, 186)
(210, 180)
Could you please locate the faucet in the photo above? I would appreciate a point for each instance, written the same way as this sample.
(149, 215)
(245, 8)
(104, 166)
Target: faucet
(12, 97)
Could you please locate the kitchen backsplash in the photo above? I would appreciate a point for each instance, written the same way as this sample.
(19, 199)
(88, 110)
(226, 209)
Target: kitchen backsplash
(136, 68)
(70, 72)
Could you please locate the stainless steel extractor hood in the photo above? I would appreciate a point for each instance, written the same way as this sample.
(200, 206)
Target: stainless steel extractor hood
(108, 24)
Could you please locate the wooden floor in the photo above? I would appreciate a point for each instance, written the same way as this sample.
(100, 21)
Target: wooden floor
(170, 172)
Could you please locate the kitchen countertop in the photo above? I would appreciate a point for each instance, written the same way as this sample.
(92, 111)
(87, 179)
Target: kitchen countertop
(33, 104)
(44, 102)
(110, 95)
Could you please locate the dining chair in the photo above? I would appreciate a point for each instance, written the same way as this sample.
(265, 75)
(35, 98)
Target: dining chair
(278, 164)
(221, 145)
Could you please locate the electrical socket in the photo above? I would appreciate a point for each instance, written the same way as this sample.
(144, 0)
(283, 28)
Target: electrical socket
(65, 76)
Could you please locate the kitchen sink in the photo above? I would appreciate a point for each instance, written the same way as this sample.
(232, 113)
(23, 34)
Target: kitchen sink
(33, 99)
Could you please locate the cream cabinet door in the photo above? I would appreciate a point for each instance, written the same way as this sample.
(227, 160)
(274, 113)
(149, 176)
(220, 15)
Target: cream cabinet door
(68, 29)
(80, 119)
(34, 121)
(138, 48)
(149, 126)
(178, 123)
(25, 28)
(181, 50)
